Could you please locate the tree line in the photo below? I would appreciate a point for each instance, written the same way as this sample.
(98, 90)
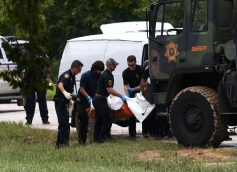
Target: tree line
(50, 23)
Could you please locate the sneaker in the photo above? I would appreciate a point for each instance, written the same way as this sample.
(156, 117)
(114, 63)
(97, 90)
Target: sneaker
(158, 137)
(46, 122)
(168, 137)
(132, 137)
(28, 123)
(227, 138)
(146, 135)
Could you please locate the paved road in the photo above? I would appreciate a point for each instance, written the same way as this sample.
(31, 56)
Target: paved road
(12, 112)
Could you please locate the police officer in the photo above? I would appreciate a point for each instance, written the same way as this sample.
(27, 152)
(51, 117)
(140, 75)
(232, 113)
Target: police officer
(88, 86)
(64, 90)
(157, 127)
(41, 95)
(103, 121)
(131, 80)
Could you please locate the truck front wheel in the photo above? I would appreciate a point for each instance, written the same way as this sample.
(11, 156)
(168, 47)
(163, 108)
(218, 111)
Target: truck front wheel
(194, 118)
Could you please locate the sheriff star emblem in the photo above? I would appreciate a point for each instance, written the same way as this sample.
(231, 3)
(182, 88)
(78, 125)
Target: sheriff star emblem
(110, 82)
(171, 51)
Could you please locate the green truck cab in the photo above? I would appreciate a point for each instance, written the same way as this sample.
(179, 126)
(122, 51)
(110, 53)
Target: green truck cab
(193, 68)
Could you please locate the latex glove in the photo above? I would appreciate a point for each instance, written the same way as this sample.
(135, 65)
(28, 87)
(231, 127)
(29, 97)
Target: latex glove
(67, 95)
(123, 98)
(130, 90)
(89, 99)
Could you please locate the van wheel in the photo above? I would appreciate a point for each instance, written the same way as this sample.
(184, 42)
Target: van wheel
(194, 118)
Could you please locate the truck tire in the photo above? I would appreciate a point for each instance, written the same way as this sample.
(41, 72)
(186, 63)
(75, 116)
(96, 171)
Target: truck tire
(194, 118)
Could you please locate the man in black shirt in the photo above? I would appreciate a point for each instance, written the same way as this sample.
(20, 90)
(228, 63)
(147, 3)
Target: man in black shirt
(131, 80)
(41, 94)
(64, 90)
(103, 121)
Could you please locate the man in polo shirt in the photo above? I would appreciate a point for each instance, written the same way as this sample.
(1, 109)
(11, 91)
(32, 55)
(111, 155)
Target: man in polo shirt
(103, 121)
(131, 79)
(88, 86)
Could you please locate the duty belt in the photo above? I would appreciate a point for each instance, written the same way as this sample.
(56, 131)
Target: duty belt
(98, 95)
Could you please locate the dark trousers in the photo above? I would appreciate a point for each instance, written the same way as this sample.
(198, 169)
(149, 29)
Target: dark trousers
(31, 102)
(132, 122)
(154, 125)
(83, 119)
(63, 125)
(103, 120)
(132, 126)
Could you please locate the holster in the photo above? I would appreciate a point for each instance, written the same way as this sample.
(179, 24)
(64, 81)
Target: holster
(59, 101)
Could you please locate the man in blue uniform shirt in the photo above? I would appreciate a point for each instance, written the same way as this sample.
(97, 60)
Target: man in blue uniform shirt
(64, 90)
(88, 85)
(103, 121)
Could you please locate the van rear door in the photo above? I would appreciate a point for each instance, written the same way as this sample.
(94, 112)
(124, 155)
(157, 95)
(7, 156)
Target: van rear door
(87, 51)
(120, 50)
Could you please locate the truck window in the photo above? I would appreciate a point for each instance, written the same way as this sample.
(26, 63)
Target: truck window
(199, 16)
(172, 13)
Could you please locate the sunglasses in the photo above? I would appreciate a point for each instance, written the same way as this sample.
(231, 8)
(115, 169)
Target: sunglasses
(131, 65)
(79, 69)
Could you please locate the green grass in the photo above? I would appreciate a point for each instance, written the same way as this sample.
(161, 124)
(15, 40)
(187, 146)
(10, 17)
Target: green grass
(26, 149)
(51, 93)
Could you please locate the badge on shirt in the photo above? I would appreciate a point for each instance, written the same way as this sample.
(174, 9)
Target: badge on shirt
(66, 76)
(110, 82)
(137, 76)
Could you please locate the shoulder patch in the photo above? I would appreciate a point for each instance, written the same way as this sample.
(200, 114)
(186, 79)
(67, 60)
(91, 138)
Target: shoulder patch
(110, 82)
(66, 75)
(137, 76)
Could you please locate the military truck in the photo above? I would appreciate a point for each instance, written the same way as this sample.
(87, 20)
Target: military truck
(193, 71)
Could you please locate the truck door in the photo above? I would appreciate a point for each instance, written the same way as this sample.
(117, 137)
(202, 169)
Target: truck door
(168, 48)
(200, 38)
(120, 50)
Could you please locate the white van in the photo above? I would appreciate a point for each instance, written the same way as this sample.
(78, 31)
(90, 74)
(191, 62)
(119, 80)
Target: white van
(115, 45)
(101, 47)
(7, 93)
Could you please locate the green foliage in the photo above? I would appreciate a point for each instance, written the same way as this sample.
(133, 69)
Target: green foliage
(49, 24)
(29, 23)
(50, 93)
